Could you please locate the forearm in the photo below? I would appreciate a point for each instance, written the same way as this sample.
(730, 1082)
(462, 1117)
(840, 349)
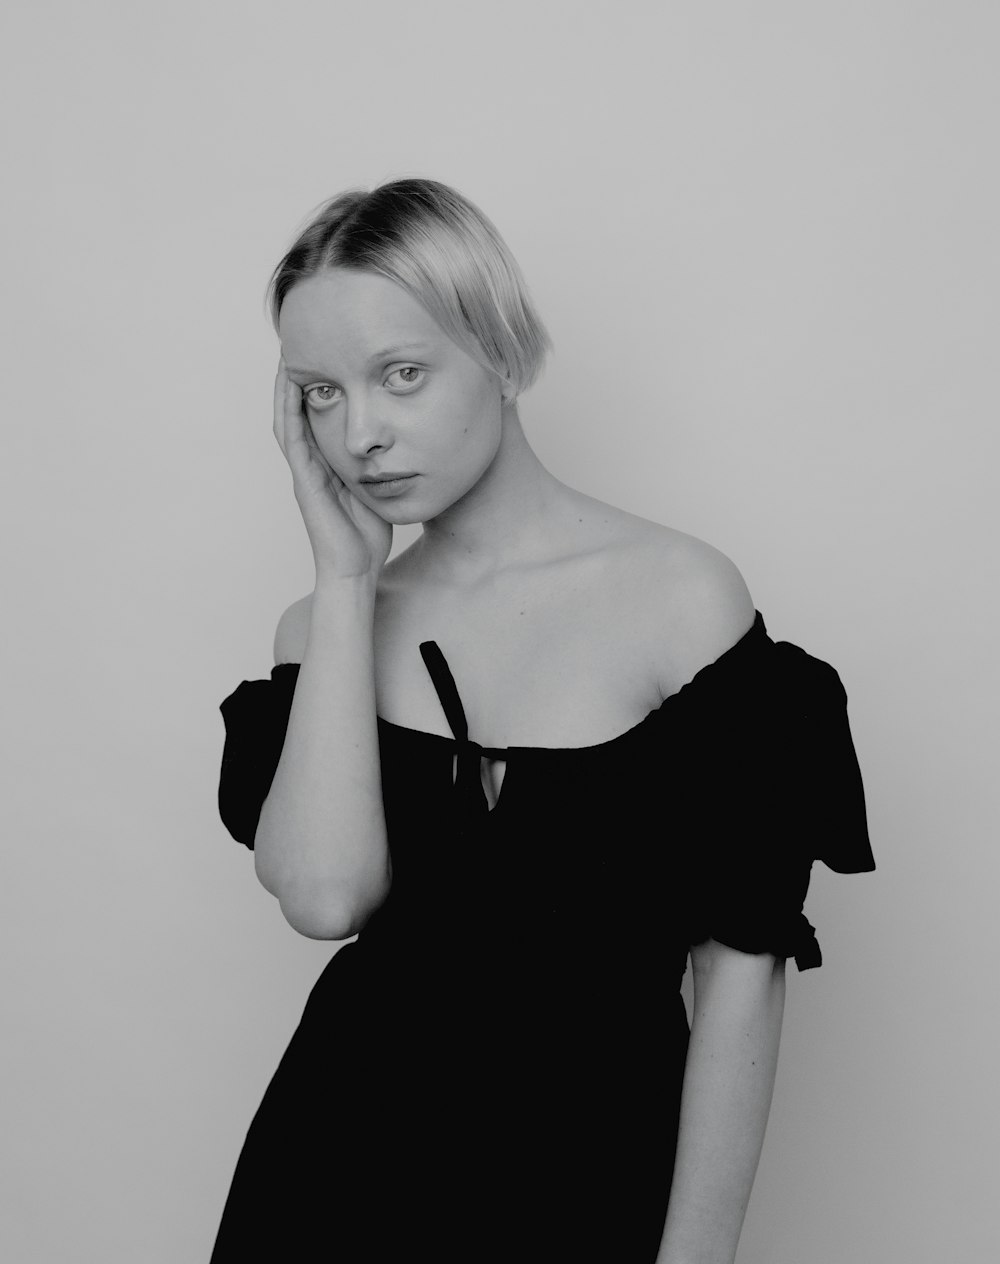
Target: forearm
(728, 1083)
(321, 843)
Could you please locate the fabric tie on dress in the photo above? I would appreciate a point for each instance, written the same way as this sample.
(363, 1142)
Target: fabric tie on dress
(470, 796)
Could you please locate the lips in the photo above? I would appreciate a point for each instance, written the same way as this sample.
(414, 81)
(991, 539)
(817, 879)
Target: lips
(383, 485)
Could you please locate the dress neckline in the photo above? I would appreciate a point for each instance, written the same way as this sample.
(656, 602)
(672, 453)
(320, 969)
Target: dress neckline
(445, 688)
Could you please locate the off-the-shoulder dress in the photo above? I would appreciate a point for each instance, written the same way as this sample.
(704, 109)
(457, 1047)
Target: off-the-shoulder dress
(492, 1069)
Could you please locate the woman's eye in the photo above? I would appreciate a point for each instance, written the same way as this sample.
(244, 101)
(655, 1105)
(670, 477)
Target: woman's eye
(409, 375)
(321, 396)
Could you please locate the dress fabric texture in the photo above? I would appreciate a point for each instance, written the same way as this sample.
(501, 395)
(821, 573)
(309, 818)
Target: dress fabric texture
(493, 1068)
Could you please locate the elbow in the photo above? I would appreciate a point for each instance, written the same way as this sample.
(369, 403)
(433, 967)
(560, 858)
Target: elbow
(325, 920)
(322, 904)
(317, 922)
(319, 912)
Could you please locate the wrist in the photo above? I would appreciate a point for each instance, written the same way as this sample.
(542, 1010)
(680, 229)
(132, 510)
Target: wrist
(336, 597)
(343, 587)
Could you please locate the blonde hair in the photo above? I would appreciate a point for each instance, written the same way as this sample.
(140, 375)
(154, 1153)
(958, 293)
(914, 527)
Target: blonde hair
(444, 251)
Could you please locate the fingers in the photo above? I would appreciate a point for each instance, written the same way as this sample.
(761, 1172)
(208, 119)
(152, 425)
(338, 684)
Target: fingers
(293, 431)
(290, 422)
(306, 432)
(280, 389)
(296, 437)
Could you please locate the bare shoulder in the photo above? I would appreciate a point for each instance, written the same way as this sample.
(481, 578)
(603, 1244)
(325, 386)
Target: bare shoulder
(689, 596)
(292, 631)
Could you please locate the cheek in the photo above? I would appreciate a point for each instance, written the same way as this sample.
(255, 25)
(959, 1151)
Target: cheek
(480, 421)
(323, 431)
(479, 443)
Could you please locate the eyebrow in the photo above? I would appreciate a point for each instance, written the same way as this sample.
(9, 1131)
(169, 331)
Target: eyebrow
(379, 355)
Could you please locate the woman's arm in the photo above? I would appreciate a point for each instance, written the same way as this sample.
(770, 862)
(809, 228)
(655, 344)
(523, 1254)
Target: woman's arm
(728, 1080)
(321, 843)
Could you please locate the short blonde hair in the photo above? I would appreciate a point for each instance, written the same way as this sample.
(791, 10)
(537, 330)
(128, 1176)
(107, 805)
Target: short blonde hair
(444, 251)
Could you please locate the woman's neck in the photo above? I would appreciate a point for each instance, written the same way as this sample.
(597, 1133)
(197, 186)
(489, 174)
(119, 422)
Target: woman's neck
(514, 516)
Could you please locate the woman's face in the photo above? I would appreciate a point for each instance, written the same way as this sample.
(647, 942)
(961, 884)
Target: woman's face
(386, 391)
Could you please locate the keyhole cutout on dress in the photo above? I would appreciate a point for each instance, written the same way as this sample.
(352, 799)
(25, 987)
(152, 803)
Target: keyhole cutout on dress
(491, 774)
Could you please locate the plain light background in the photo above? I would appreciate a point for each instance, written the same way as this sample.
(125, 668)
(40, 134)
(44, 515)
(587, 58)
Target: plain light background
(763, 237)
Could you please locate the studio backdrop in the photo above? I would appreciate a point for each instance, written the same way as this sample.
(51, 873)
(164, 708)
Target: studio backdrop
(763, 238)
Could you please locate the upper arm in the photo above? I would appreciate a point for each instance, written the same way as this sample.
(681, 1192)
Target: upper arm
(292, 631)
(710, 953)
(724, 972)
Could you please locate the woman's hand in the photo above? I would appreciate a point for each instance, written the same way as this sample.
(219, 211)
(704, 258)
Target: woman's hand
(348, 539)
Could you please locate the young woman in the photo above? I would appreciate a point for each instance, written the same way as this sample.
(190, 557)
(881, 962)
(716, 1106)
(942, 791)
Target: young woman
(534, 763)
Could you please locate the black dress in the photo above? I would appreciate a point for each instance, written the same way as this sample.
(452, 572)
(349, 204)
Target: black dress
(492, 1070)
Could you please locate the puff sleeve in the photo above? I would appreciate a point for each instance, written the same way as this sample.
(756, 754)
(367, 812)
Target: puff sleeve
(256, 719)
(777, 787)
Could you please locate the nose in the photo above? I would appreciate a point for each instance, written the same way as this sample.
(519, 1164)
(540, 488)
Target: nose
(365, 430)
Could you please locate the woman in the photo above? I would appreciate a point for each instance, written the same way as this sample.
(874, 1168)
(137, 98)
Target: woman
(534, 762)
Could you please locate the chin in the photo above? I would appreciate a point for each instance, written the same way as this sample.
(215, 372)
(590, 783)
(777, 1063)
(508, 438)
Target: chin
(398, 515)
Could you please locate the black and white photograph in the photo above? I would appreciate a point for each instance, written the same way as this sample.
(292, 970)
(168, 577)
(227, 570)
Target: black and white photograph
(501, 710)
